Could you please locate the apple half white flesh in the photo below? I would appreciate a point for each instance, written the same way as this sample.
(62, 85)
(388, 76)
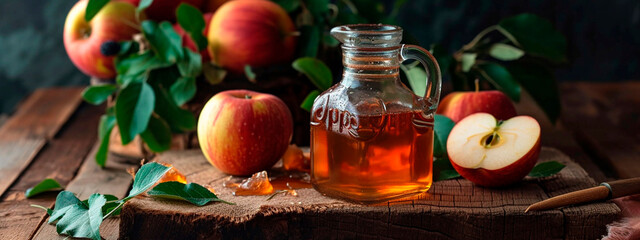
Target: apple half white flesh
(494, 153)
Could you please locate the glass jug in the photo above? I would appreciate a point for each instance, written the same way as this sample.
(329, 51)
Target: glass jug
(371, 137)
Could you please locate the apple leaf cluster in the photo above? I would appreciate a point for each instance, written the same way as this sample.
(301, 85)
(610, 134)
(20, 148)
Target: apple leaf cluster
(518, 53)
(155, 77)
(82, 219)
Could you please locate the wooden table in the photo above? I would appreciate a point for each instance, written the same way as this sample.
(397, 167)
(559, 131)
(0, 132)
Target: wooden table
(53, 135)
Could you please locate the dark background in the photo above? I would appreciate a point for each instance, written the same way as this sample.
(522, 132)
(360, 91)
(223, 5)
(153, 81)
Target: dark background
(603, 37)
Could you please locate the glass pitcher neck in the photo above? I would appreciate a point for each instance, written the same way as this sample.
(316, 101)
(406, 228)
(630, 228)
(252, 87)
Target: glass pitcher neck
(369, 50)
(371, 62)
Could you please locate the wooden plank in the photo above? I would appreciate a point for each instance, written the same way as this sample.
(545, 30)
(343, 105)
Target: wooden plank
(38, 119)
(113, 179)
(592, 114)
(454, 209)
(60, 160)
(43, 113)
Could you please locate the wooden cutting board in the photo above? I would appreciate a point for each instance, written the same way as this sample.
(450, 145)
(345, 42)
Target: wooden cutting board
(452, 209)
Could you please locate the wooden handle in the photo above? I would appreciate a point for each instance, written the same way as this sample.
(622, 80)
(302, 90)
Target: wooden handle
(625, 187)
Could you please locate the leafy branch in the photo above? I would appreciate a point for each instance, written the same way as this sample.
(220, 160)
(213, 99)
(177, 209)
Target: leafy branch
(156, 75)
(82, 219)
(517, 53)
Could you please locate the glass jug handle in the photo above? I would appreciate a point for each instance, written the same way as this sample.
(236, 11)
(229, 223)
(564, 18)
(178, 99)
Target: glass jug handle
(434, 79)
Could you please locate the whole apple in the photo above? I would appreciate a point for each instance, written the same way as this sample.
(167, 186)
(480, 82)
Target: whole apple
(251, 32)
(116, 21)
(189, 43)
(458, 105)
(494, 153)
(165, 10)
(242, 132)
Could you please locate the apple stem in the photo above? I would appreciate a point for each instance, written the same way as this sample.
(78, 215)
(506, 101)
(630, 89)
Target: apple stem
(477, 83)
(247, 97)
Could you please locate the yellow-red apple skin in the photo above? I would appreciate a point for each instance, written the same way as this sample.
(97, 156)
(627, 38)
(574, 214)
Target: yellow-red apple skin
(113, 22)
(188, 42)
(505, 176)
(251, 32)
(458, 105)
(242, 136)
(165, 10)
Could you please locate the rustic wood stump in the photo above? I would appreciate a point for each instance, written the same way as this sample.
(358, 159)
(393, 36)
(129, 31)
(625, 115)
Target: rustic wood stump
(453, 209)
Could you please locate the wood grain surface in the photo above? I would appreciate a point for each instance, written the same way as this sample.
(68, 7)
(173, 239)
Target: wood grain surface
(52, 134)
(454, 209)
(113, 179)
(60, 160)
(23, 135)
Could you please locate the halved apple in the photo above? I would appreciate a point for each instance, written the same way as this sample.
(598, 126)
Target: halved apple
(494, 153)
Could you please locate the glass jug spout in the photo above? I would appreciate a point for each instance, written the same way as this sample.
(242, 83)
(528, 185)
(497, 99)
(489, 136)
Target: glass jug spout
(368, 35)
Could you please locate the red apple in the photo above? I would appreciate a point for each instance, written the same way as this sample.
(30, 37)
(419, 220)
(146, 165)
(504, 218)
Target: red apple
(458, 105)
(189, 43)
(165, 10)
(494, 153)
(116, 21)
(242, 132)
(251, 32)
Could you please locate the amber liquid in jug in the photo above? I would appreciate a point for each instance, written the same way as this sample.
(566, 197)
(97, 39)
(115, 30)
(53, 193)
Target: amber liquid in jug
(371, 137)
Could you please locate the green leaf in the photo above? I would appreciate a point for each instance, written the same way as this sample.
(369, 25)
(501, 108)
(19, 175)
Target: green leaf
(443, 170)
(135, 68)
(501, 79)
(288, 5)
(163, 40)
(192, 192)
(416, 76)
(307, 104)
(133, 108)
(78, 219)
(128, 47)
(546, 169)
(107, 122)
(146, 177)
(315, 70)
(248, 72)
(191, 65)
(310, 40)
(96, 95)
(93, 7)
(329, 40)
(318, 8)
(44, 186)
(214, 74)
(441, 130)
(536, 36)
(505, 52)
(64, 201)
(540, 82)
(157, 135)
(178, 119)
(467, 61)
(183, 90)
(192, 21)
(144, 4)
